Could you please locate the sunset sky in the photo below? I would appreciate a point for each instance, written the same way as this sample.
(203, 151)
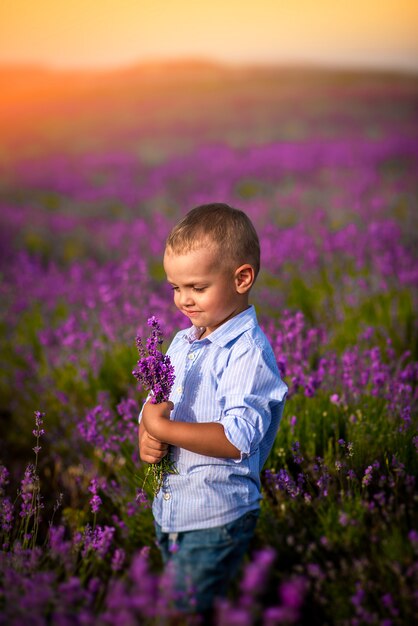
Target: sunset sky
(110, 33)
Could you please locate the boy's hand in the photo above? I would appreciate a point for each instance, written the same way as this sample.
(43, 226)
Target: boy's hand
(154, 418)
(150, 450)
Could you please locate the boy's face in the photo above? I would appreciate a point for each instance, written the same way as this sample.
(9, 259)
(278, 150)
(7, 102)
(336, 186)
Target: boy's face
(207, 293)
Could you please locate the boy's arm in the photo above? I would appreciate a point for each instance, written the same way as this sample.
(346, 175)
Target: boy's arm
(202, 438)
(151, 450)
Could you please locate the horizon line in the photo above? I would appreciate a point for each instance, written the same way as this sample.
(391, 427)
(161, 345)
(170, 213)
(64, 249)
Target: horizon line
(184, 60)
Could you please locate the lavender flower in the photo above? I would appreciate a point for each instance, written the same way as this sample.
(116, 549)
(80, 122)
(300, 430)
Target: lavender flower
(368, 474)
(95, 500)
(38, 432)
(118, 559)
(6, 516)
(98, 540)
(293, 422)
(26, 491)
(142, 499)
(4, 479)
(256, 572)
(155, 373)
(154, 370)
(58, 545)
(297, 457)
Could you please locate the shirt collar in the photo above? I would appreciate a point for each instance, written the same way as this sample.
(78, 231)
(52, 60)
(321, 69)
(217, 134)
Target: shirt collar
(228, 331)
(193, 333)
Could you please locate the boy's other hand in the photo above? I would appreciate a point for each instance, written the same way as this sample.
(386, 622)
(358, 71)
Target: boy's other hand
(151, 447)
(154, 416)
(151, 450)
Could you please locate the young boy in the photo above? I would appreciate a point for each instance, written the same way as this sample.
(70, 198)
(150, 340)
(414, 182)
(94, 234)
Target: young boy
(224, 410)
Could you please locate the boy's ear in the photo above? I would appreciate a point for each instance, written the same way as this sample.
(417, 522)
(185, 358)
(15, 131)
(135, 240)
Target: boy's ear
(244, 278)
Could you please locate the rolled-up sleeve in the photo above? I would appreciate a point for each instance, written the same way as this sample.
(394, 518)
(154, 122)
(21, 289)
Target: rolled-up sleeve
(251, 394)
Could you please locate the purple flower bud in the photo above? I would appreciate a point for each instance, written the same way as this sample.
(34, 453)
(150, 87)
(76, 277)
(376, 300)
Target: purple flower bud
(118, 559)
(95, 501)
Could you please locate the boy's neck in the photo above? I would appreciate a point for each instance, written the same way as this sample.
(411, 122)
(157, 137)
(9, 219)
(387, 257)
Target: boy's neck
(206, 333)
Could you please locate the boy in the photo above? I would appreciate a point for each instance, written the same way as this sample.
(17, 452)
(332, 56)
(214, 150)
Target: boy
(224, 410)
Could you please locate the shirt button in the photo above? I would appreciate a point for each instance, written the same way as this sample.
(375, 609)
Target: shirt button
(179, 389)
(191, 356)
(166, 496)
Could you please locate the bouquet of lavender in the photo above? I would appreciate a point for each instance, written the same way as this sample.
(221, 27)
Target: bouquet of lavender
(155, 373)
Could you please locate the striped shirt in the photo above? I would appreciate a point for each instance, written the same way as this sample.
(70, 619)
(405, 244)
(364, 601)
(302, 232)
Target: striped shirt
(231, 377)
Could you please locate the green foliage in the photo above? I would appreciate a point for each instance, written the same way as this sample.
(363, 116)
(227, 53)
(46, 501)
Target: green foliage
(114, 373)
(355, 531)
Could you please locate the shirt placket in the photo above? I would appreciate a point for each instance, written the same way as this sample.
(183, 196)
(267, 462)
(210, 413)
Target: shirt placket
(167, 492)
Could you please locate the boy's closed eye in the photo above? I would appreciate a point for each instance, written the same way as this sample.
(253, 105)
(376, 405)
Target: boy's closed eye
(197, 289)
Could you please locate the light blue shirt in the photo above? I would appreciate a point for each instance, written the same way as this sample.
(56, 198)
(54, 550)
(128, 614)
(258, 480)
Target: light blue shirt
(230, 377)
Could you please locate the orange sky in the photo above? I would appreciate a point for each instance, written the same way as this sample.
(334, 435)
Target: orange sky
(101, 33)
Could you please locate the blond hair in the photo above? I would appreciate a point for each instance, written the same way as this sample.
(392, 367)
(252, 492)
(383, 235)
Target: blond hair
(229, 229)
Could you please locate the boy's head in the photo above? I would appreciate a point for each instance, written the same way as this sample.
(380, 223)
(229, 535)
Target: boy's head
(211, 260)
(228, 231)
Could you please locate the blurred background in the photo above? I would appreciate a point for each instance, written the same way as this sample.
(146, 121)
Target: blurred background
(81, 76)
(115, 34)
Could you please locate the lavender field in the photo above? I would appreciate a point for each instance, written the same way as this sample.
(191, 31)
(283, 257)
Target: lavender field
(326, 166)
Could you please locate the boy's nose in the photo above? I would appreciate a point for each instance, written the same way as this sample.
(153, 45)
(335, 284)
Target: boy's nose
(186, 299)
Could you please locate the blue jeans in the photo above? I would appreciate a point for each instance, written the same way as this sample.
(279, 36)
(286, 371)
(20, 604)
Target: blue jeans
(204, 562)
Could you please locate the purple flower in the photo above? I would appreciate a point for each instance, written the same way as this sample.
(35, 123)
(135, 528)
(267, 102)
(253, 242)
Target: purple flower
(155, 373)
(293, 421)
(368, 476)
(351, 475)
(26, 491)
(388, 603)
(118, 559)
(297, 457)
(95, 500)
(98, 540)
(358, 597)
(413, 537)
(6, 515)
(284, 482)
(56, 541)
(154, 370)
(106, 431)
(255, 574)
(291, 593)
(39, 422)
(343, 519)
(4, 478)
(142, 499)
(38, 432)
